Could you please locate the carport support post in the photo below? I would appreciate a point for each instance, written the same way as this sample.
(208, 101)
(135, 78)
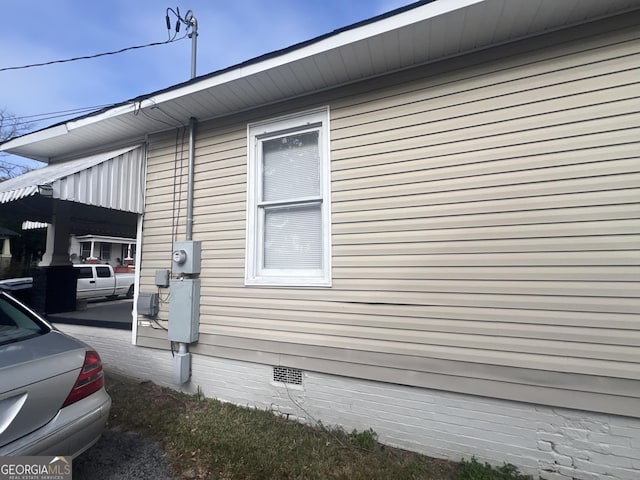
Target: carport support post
(58, 231)
(54, 280)
(5, 256)
(6, 248)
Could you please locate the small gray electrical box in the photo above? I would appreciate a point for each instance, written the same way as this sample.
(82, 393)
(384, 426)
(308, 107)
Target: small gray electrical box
(148, 304)
(186, 257)
(162, 278)
(184, 310)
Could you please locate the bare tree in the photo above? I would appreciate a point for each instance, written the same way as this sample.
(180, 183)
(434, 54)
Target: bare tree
(11, 127)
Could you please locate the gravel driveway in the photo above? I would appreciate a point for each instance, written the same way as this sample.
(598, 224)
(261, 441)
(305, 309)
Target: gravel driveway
(121, 455)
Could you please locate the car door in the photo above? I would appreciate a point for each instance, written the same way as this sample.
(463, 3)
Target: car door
(86, 282)
(105, 282)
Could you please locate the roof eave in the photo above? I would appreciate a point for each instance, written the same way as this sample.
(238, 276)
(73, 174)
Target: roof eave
(119, 123)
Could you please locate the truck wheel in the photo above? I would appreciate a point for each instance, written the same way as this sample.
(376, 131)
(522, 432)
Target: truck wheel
(130, 292)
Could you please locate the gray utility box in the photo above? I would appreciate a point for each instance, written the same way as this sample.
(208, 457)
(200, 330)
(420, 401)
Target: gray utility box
(148, 304)
(162, 278)
(184, 310)
(186, 257)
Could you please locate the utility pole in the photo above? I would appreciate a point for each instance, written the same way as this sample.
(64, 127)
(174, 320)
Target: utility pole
(193, 22)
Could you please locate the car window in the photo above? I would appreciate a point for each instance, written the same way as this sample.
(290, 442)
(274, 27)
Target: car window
(17, 323)
(103, 272)
(85, 272)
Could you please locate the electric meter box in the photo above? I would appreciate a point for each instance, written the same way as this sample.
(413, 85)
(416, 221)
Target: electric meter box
(184, 310)
(186, 257)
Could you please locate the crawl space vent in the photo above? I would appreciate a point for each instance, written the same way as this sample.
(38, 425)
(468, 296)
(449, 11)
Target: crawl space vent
(291, 376)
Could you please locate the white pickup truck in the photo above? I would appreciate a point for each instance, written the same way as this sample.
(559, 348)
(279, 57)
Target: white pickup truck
(95, 281)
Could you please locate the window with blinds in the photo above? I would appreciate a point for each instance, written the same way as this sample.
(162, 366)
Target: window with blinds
(288, 201)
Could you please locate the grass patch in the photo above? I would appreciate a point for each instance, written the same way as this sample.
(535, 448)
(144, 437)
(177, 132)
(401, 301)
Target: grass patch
(474, 470)
(208, 439)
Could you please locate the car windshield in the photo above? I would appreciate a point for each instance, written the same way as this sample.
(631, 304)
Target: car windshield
(16, 323)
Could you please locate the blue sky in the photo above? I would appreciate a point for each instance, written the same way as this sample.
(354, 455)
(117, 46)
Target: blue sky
(230, 32)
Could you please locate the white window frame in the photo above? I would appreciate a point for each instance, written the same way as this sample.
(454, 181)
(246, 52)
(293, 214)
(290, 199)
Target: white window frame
(255, 273)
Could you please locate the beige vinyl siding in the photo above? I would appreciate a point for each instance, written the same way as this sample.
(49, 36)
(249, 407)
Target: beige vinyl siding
(485, 228)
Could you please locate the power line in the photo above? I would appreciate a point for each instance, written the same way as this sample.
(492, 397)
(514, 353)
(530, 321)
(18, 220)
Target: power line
(87, 57)
(59, 112)
(40, 117)
(191, 32)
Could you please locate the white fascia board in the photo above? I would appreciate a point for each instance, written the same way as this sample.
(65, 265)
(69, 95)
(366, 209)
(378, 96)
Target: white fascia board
(64, 129)
(34, 137)
(415, 15)
(425, 12)
(106, 115)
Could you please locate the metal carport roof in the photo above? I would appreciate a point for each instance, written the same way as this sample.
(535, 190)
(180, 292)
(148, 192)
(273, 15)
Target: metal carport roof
(110, 180)
(104, 190)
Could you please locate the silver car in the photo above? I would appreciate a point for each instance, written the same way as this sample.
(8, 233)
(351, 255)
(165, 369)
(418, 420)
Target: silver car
(52, 396)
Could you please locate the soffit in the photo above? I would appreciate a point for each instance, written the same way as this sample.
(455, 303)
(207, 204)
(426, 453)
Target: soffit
(425, 33)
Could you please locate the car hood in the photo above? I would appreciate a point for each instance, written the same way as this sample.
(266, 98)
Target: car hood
(36, 376)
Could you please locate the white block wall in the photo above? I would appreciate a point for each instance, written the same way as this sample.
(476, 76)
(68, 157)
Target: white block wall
(554, 443)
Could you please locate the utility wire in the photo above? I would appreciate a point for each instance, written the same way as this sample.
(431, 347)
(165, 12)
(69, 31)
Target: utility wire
(60, 112)
(87, 57)
(41, 117)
